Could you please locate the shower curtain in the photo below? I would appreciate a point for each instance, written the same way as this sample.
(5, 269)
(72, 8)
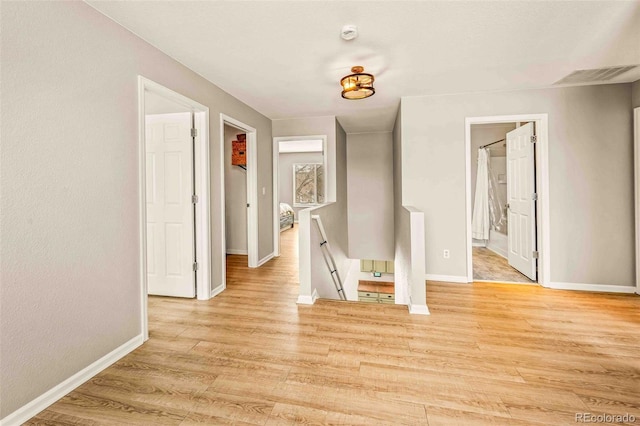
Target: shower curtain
(480, 223)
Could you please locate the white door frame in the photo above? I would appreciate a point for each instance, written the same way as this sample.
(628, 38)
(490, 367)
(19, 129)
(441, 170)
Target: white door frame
(276, 180)
(636, 144)
(252, 192)
(542, 188)
(202, 172)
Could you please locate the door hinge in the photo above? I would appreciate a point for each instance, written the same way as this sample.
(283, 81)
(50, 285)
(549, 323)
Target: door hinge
(195, 266)
(248, 205)
(534, 139)
(535, 254)
(534, 196)
(194, 199)
(194, 133)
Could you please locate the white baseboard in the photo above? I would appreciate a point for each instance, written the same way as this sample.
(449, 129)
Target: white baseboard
(419, 310)
(32, 408)
(505, 282)
(237, 251)
(592, 287)
(219, 289)
(498, 251)
(265, 259)
(447, 278)
(308, 300)
(478, 244)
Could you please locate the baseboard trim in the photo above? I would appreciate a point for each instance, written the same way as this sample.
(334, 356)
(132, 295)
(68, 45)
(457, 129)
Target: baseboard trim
(219, 289)
(265, 259)
(505, 282)
(498, 252)
(308, 300)
(237, 251)
(447, 278)
(39, 404)
(600, 288)
(419, 310)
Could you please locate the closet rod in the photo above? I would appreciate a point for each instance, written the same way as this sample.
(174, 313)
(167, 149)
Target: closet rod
(484, 146)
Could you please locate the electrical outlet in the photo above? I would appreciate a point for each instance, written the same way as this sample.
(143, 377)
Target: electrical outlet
(446, 254)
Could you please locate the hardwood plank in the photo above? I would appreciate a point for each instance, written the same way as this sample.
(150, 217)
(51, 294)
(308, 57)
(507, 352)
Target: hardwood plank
(488, 354)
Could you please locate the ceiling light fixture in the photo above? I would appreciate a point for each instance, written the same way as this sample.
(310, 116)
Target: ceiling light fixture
(358, 85)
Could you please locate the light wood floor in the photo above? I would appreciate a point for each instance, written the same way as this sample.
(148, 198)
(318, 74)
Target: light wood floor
(490, 266)
(488, 354)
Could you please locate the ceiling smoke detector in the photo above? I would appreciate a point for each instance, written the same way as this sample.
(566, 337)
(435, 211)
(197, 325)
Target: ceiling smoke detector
(349, 32)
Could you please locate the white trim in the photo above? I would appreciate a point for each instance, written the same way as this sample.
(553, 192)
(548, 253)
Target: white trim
(600, 288)
(252, 188)
(203, 214)
(636, 172)
(219, 289)
(142, 212)
(276, 196)
(240, 252)
(542, 188)
(265, 259)
(505, 282)
(308, 300)
(276, 181)
(419, 310)
(498, 251)
(446, 278)
(32, 408)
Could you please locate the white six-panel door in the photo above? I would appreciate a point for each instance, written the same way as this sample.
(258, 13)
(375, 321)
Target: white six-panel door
(520, 199)
(169, 187)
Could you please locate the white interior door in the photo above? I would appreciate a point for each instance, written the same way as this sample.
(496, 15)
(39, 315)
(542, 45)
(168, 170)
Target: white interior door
(169, 186)
(521, 200)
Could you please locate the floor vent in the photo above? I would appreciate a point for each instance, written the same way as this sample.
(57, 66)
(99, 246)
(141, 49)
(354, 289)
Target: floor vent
(594, 75)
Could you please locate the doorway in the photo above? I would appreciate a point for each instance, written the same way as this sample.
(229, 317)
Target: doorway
(229, 201)
(507, 199)
(173, 148)
(235, 190)
(299, 182)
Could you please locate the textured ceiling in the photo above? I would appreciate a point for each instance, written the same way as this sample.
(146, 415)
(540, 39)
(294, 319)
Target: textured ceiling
(285, 58)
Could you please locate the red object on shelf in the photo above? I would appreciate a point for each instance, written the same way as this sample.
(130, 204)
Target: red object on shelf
(239, 151)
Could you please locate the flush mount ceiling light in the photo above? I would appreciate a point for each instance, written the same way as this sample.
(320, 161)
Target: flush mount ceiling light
(358, 85)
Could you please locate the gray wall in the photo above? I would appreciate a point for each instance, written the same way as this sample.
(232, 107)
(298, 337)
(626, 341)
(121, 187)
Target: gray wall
(591, 176)
(235, 194)
(635, 94)
(285, 164)
(370, 190)
(69, 171)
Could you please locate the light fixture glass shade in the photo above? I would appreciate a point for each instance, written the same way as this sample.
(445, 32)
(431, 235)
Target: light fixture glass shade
(358, 85)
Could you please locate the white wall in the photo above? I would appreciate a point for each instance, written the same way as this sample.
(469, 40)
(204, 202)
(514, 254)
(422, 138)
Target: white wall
(591, 176)
(285, 164)
(370, 195)
(409, 244)
(235, 193)
(69, 170)
(314, 275)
